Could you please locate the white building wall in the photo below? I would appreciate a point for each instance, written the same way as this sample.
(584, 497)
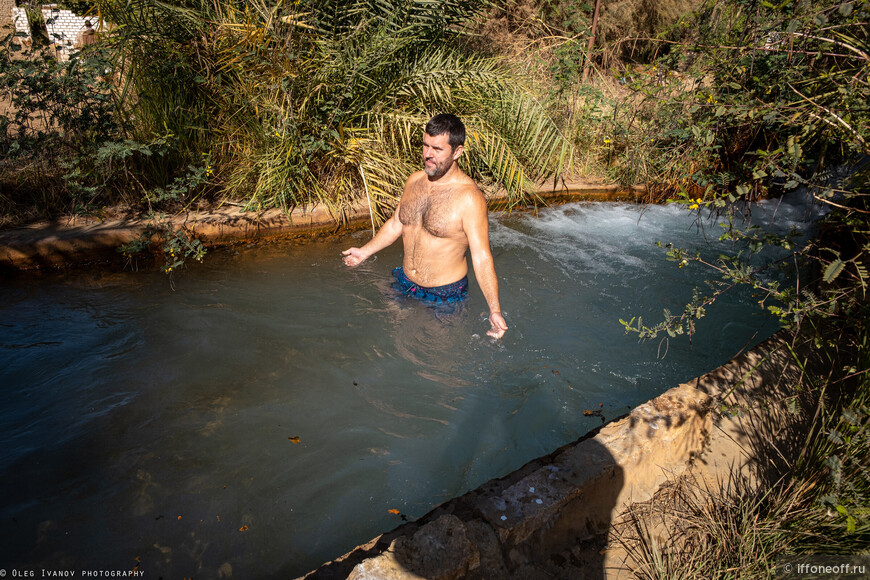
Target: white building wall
(63, 28)
(19, 19)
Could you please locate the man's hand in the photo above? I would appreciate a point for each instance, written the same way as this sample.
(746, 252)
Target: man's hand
(354, 257)
(499, 326)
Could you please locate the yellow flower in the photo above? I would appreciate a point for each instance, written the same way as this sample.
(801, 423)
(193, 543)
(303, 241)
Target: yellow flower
(606, 140)
(683, 263)
(693, 206)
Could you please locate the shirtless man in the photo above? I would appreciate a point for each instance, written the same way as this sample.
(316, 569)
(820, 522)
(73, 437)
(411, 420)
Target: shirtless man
(440, 215)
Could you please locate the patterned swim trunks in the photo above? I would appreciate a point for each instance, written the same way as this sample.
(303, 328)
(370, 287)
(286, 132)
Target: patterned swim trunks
(439, 294)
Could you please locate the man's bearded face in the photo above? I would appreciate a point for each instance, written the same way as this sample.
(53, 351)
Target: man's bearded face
(438, 156)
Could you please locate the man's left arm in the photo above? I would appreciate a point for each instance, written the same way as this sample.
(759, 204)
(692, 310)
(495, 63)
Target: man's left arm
(475, 222)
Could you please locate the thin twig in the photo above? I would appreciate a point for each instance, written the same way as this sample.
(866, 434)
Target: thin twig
(834, 115)
(829, 202)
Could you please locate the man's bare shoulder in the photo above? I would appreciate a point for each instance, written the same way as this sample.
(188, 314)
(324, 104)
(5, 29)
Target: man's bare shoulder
(469, 191)
(415, 178)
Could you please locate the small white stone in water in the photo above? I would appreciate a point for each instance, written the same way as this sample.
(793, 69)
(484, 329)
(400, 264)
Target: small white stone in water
(503, 518)
(539, 501)
(531, 490)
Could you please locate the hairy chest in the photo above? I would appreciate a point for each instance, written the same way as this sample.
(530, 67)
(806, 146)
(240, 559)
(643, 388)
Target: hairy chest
(437, 213)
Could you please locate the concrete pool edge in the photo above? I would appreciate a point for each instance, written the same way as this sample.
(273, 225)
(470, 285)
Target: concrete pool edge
(548, 517)
(81, 239)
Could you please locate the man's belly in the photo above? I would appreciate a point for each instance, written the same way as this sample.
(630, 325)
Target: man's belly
(433, 261)
(432, 273)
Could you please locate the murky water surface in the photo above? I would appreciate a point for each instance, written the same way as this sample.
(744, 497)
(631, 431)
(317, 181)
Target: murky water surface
(265, 415)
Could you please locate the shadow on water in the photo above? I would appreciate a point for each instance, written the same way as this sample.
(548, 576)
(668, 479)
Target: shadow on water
(546, 518)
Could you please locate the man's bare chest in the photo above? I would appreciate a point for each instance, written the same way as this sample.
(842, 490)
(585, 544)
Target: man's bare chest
(437, 213)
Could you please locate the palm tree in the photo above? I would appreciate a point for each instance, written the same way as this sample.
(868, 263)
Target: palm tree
(322, 101)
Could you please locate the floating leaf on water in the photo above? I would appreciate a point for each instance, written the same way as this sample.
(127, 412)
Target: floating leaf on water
(243, 529)
(833, 270)
(394, 511)
(295, 439)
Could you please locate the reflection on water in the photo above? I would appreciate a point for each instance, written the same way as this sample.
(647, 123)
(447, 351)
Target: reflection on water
(267, 414)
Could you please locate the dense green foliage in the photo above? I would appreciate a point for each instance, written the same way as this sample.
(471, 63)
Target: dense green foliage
(290, 103)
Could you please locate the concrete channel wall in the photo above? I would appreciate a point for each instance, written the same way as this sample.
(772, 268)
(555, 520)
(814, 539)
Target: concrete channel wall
(542, 521)
(81, 240)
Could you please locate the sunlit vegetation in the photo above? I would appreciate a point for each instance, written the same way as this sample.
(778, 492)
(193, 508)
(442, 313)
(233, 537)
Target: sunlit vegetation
(285, 103)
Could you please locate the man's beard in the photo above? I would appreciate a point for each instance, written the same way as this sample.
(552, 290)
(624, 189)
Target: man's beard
(437, 171)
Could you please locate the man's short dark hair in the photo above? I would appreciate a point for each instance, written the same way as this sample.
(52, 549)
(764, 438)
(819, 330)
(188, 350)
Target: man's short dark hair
(450, 124)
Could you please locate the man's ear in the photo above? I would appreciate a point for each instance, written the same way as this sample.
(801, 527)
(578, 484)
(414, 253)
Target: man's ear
(457, 152)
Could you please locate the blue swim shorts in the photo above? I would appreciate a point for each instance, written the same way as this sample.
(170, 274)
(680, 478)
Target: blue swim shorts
(440, 294)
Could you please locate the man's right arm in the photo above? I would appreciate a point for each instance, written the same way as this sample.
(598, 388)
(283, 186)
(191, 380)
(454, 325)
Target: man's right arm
(389, 233)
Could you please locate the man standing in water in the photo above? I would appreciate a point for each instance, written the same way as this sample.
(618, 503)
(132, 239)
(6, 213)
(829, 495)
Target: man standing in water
(440, 215)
